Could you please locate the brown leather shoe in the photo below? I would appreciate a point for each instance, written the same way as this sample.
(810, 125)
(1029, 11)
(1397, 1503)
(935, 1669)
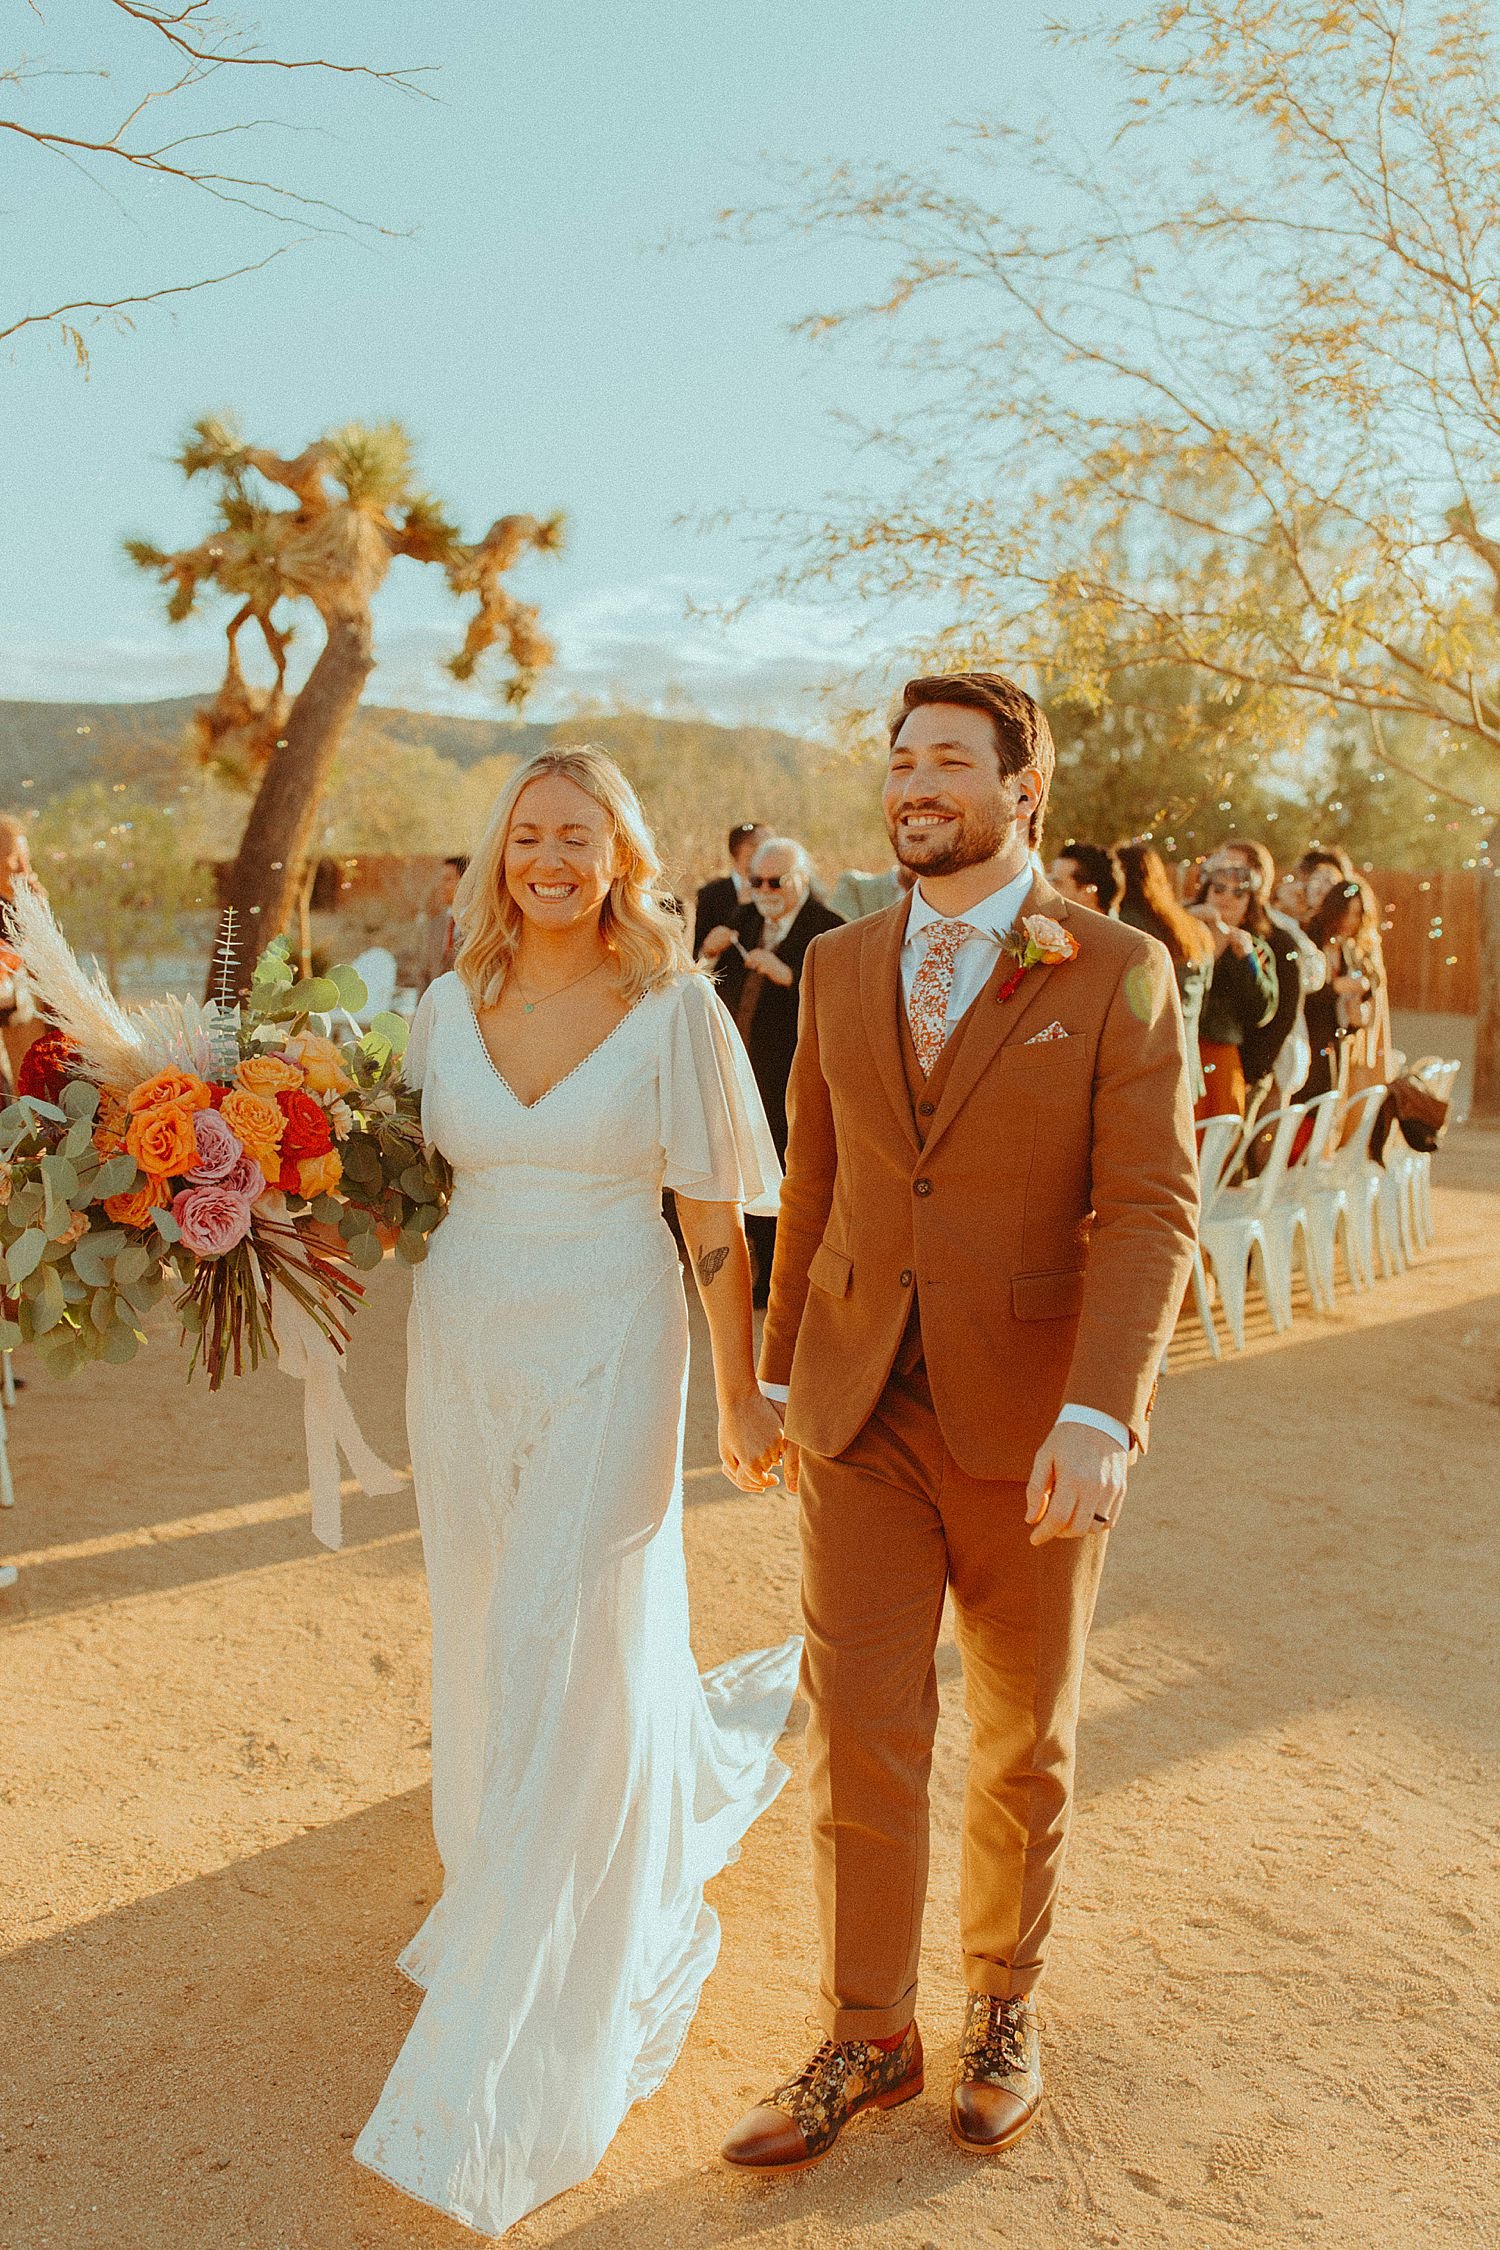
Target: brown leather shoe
(798, 2124)
(997, 2094)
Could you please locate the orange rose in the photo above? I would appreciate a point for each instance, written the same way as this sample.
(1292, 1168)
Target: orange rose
(258, 1125)
(320, 1175)
(269, 1075)
(135, 1209)
(169, 1089)
(323, 1069)
(163, 1141)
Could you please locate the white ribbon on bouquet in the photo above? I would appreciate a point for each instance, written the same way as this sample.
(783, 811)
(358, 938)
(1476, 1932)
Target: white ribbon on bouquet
(305, 1353)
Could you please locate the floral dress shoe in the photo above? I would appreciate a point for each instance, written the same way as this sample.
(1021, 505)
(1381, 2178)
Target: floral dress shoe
(798, 2124)
(998, 2091)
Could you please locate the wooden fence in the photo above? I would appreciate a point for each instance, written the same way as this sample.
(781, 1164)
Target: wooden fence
(1430, 931)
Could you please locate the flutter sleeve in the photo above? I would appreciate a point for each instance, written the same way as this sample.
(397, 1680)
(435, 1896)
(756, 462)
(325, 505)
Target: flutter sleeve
(716, 1143)
(418, 1039)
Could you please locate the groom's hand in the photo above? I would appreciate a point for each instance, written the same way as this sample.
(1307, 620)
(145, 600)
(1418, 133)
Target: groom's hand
(1077, 1483)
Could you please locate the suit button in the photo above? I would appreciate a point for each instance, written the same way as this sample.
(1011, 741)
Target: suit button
(924, 1187)
(926, 1109)
(906, 1277)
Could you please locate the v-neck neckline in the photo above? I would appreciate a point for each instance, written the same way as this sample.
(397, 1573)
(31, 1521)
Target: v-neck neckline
(582, 1063)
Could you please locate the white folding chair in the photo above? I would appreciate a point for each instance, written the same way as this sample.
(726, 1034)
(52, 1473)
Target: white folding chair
(1219, 1140)
(1349, 1169)
(1236, 1229)
(1439, 1077)
(1309, 1203)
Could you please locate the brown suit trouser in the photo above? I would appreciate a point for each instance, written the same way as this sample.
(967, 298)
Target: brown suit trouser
(887, 1527)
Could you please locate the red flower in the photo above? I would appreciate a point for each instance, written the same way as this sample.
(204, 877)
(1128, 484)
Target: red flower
(46, 1067)
(307, 1133)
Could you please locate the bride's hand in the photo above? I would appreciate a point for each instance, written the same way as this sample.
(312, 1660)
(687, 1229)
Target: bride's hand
(749, 1441)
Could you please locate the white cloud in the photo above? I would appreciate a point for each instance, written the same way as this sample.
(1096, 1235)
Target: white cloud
(775, 663)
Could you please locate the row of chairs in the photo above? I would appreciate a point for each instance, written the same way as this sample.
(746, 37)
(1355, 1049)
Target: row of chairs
(1317, 1187)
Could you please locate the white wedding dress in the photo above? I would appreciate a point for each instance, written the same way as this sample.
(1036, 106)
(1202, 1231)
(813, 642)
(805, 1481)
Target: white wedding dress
(585, 1781)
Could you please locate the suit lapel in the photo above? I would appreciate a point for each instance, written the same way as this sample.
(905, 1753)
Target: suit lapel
(880, 1001)
(992, 1023)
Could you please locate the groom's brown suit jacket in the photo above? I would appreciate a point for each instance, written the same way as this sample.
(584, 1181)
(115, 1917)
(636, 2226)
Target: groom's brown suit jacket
(1042, 1207)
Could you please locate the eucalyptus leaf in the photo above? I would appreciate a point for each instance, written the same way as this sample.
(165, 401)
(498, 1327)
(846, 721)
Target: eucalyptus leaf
(10, 1335)
(59, 1177)
(393, 1029)
(25, 1255)
(327, 1208)
(121, 1346)
(79, 1136)
(74, 1288)
(32, 1107)
(411, 1248)
(80, 1099)
(61, 1352)
(165, 1225)
(90, 1267)
(102, 1310)
(144, 1295)
(191, 1317)
(425, 1218)
(414, 1183)
(117, 1177)
(26, 1204)
(314, 996)
(134, 1260)
(109, 1241)
(50, 1302)
(352, 990)
(366, 1252)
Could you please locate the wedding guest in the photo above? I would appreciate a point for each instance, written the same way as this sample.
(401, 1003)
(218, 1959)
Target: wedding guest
(20, 1025)
(720, 900)
(1279, 1050)
(1241, 996)
(440, 934)
(1351, 1004)
(857, 894)
(1089, 876)
(760, 974)
(1149, 903)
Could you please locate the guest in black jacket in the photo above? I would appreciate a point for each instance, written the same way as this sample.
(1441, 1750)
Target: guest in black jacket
(720, 901)
(759, 959)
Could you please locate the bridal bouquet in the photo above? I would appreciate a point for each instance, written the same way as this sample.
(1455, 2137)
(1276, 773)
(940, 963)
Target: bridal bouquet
(238, 1163)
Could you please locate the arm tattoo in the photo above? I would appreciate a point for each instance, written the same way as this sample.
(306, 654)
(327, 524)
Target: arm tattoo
(710, 1265)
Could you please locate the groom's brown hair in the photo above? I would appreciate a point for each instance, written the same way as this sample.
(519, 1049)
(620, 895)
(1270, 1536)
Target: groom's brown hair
(1019, 724)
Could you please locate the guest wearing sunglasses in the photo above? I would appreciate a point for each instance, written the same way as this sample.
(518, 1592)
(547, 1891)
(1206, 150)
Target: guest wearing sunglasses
(759, 966)
(1241, 997)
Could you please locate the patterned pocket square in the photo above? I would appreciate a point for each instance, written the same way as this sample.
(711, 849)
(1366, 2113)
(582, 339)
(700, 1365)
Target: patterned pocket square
(1053, 1031)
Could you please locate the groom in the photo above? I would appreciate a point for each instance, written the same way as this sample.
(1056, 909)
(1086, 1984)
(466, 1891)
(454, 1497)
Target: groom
(986, 1230)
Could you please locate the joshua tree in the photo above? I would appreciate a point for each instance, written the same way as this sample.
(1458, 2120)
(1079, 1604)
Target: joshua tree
(321, 528)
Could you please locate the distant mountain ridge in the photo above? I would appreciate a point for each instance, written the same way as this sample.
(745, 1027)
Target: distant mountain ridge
(47, 748)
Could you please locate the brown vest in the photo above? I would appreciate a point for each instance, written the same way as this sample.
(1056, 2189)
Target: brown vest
(925, 1094)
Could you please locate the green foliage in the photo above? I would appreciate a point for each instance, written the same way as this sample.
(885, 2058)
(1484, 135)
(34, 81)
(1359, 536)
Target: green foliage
(117, 872)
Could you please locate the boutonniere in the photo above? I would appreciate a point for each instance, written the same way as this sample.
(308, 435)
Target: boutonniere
(1038, 943)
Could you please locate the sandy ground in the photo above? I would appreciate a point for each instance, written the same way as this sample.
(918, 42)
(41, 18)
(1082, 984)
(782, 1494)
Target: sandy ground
(1272, 2016)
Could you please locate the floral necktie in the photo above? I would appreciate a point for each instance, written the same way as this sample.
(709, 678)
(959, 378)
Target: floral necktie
(932, 988)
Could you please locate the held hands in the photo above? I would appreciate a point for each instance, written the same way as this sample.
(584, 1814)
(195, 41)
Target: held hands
(1077, 1479)
(749, 1441)
(767, 965)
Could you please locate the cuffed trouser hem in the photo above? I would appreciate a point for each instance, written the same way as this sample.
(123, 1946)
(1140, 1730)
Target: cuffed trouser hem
(866, 2023)
(997, 1981)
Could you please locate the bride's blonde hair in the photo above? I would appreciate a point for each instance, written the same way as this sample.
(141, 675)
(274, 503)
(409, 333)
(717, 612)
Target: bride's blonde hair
(637, 925)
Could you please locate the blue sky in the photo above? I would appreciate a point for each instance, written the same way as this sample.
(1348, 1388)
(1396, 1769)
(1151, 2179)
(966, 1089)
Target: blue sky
(542, 346)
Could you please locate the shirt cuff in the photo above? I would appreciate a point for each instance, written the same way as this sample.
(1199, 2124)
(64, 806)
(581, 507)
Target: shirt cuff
(1092, 1419)
(777, 1393)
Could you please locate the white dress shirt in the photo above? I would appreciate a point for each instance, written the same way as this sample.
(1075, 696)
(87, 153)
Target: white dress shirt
(973, 965)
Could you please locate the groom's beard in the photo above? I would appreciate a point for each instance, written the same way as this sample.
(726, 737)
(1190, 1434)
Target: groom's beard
(977, 837)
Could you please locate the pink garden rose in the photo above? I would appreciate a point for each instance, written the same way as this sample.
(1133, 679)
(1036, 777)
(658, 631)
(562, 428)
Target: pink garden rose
(246, 1179)
(212, 1219)
(219, 1150)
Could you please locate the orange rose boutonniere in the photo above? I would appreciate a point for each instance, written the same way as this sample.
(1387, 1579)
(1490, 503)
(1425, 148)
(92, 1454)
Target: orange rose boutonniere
(1039, 943)
(162, 1141)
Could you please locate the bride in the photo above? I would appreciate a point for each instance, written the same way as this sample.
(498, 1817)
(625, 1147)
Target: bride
(585, 1781)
